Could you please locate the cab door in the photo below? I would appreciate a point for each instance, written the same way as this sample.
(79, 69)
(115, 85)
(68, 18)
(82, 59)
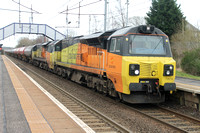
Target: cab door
(114, 62)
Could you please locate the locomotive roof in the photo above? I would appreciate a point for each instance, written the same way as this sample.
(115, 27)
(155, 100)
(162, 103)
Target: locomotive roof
(46, 43)
(54, 42)
(96, 39)
(98, 35)
(124, 31)
(95, 35)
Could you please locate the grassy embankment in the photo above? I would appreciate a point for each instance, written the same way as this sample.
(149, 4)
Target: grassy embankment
(183, 74)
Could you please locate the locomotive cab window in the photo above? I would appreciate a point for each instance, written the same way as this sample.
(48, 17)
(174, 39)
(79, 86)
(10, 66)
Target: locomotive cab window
(57, 48)
(35, 48)
(146, 45)
(50, 49)
(115, 45)
(112, 45)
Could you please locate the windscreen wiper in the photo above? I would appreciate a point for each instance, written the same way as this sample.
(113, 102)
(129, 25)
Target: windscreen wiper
(156, 46)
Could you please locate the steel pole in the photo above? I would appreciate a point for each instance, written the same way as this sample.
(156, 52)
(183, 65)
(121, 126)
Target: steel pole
(127, 13)
(105, 15)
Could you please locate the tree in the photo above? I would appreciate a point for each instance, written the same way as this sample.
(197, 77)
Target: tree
(166, 15)
(117, 16)
(136, 21)
(182, 42)
(25, 41)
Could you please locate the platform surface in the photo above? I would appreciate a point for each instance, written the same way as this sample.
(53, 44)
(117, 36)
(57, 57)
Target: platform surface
(12, 118)
(189, 85)
(25, 108)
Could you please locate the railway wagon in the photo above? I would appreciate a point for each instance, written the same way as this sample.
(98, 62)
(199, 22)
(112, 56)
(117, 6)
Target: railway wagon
(20, 53)
(28, 53)
(133, 64)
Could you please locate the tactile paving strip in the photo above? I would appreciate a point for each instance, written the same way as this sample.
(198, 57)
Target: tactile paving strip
(35, 119)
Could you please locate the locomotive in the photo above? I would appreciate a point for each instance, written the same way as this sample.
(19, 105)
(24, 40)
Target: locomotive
(134, 64)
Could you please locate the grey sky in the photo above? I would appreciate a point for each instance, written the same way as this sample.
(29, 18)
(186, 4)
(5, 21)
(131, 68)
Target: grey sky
(50, 13)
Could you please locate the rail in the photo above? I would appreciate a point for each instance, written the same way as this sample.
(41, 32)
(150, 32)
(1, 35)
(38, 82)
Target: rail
(170, 118)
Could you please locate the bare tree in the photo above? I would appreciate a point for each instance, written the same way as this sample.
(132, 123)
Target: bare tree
(136, 21)
(185, 40)
(117, 16)
(96, 25)
(25, 41)
(121, 11)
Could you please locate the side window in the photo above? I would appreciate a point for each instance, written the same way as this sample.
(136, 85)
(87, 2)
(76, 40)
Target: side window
(50, 49)
(57, 48)
(34, 48)
(115, 45)
(112, 45)
(117, 48)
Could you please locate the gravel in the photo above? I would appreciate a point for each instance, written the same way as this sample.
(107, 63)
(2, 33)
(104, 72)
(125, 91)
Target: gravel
(182, 109)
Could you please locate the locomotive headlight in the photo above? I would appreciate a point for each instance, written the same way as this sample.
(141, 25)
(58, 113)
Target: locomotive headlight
(137, 72)
(168, 70)
(134, 69)
(170, 67)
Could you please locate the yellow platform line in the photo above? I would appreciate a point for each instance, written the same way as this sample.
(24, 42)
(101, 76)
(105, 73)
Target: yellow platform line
(36, 121)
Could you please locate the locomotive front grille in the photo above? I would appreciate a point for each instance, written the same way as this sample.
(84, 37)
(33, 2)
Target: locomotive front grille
(146, 69)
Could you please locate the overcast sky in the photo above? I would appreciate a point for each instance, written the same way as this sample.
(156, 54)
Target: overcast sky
(50, 9)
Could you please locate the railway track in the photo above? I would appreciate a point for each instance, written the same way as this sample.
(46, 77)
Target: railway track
(171, 118)
(93, 118)
(100, 123)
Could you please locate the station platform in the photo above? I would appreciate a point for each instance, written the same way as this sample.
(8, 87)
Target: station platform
(26, 107)
(188, 85)
(188, 92)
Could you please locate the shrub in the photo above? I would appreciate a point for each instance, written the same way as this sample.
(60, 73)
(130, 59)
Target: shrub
(191, 62)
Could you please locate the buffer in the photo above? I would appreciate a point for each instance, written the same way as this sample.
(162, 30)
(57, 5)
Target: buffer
(29, 28)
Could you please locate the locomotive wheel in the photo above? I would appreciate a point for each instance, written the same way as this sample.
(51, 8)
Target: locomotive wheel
(105, 91)
(111, 89)
(64, 75)
(100, 88)
(59, 71)
(95, 87)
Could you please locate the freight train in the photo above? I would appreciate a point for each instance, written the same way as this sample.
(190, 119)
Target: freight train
(134, 64)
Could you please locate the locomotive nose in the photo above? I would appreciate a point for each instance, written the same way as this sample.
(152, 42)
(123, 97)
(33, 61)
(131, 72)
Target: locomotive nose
(149, 69)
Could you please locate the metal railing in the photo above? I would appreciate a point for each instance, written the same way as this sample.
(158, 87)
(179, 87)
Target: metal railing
(29, 28)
